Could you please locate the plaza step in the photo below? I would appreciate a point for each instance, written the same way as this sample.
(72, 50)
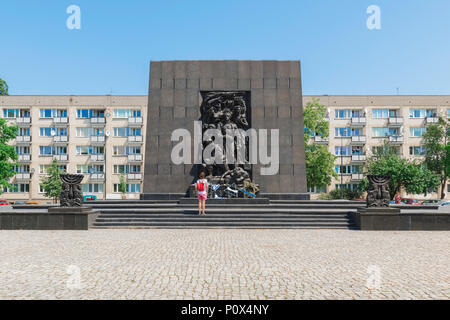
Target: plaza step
(279, 214)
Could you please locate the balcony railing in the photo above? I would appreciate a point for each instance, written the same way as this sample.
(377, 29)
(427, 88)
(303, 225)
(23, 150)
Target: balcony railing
(23, 122)
(431, 120)
(396, 139)
(23, 139)
(395, 121)
(357, 176)
(135, 139)
(358, 157)
(97, 176)
(97, 158)
(135, 121)
(320, 140)
(135, 158)
(358, 139)
(61, 121)
(24, 157)
(61, 139)
(358, 121)
(135, 176)
(23, 176)
(61, 157)
(98, 139)
(98, 121)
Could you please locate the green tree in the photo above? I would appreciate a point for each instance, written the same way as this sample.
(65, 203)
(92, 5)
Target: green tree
(410, 175)
(122, 185)
(8, 155)
(3, 87)
(52, 184)
(436, 152)
(319, 161)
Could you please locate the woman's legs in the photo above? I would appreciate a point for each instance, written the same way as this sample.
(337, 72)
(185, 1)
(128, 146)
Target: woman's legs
(199, 207)
(204, 206)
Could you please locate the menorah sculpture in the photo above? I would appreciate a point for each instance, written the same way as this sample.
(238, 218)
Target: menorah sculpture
(71, 194)
(378, 194)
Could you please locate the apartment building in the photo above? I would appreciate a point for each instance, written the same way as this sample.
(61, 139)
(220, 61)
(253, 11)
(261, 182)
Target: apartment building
(361, 124)
(102, 137)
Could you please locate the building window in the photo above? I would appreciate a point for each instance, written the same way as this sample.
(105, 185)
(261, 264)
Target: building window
(23, 132)
(92, 188)
(87, 150)
(84, 113)
(52, 150)
(127, 132)
(126, 150)
(422, 113)
(347, 151)
(347, 132)
(18, 188)
(417, 151)
(390, 149)
(385, 132)
(348, 186)
(316, 190)
(10, 113)
(131, 188)
(22, 150)
(49, 132)
(126, 113)
(417, 132)
(348, 169)
(43, 168)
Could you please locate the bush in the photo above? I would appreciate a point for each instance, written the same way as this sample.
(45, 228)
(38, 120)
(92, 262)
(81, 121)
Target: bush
(336, 194)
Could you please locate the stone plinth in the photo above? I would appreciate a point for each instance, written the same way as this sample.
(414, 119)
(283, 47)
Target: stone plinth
(394, 219)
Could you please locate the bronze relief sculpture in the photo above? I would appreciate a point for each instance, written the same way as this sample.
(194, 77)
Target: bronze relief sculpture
(71, 193)
(378, 194)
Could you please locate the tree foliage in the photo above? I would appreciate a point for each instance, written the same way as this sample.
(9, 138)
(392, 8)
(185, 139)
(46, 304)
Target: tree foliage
(3, 87)
(122, 185)
(52, 184)
(319, 161)
(8, 155)
(410, 175)
(436, 152)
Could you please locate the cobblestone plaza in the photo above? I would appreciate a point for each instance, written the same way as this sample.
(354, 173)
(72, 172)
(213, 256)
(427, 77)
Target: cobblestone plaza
(224, 264)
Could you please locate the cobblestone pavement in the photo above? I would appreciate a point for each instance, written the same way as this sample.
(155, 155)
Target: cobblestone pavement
(224, 264)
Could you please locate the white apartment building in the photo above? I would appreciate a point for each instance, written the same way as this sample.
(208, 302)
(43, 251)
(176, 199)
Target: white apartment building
(103, 137)
(360, 124)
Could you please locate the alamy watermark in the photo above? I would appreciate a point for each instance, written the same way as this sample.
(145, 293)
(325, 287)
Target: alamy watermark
(374, 280)
(374, 20)
(235, 150)
(73, 22)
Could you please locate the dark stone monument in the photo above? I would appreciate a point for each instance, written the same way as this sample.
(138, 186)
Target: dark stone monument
(251, 94)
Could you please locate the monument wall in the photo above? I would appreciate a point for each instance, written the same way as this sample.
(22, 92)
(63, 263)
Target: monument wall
(175, 96)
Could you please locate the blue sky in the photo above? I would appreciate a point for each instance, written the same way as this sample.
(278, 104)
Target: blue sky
(111, 52)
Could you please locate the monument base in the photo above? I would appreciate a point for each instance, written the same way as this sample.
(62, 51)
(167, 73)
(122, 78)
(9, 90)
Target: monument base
(391, 219)
(56, 218)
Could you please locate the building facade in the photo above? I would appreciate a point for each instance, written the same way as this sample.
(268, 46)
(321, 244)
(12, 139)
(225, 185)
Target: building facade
(102, 137)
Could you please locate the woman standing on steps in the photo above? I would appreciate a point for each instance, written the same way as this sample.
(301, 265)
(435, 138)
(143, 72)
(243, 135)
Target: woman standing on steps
(202, 193)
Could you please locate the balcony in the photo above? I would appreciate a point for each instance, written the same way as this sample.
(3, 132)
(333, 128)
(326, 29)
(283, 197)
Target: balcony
(358, 140)
(134, 176)
(61, 157)
(395, 122)
(357, 176)
(98, 140)
(135, 122)
(24, 158)
(97, 158)
(23, 140)
(320, 140)
(431, 120)
(23, 122)
(23, 177)
(358, 122)
(98, 122)
(396, 139)
(135, 158)
(97, 177)
(135, 139)
(61, 122)
(358, 158)
(60, 140)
